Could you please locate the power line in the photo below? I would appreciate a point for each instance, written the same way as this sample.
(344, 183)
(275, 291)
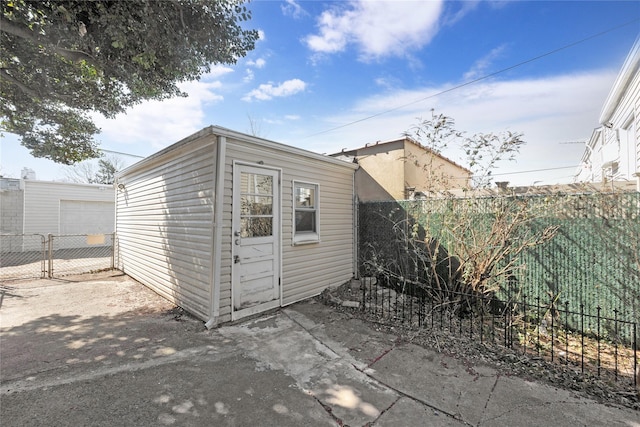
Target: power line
(120, 153)
(534, 170)
(570, 45)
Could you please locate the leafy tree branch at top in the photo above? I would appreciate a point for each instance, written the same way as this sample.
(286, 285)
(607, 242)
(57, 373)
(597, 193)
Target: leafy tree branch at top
(60, 60)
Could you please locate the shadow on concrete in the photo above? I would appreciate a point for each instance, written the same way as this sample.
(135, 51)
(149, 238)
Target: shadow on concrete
(61, 342)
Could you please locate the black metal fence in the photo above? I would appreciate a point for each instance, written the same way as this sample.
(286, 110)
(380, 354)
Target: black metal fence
(602, 344)
(593, 260)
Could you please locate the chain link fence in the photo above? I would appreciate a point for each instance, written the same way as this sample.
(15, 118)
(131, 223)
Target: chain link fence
(24, 256)
(593, 260)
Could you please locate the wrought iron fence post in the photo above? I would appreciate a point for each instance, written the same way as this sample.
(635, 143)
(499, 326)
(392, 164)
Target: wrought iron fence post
(582, 337)
(566, 332)
(598, 337)
(635, 355)
(552, 324)
(615, 342)
(524, 317)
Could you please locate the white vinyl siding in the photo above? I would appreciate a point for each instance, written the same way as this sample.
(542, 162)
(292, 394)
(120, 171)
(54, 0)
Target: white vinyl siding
(86, 217)
(165, 227)
(43, 207)
(166, 211)
(306, 269)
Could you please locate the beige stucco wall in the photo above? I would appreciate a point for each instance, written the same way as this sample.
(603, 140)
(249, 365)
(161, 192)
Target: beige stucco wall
(387, 169)
(385, 165)
(429, 172)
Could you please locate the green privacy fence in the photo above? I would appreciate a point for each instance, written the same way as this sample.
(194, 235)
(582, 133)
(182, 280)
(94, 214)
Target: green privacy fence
(592, 261)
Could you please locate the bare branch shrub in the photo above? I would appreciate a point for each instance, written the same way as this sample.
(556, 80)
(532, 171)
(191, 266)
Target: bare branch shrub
(445, 245)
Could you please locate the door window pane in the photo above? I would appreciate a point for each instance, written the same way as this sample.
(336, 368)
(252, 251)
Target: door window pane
(253, 183)
(256, 205)
(256, 227)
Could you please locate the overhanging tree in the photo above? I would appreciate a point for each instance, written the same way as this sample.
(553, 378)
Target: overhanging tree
(86, 172)
(61, 60)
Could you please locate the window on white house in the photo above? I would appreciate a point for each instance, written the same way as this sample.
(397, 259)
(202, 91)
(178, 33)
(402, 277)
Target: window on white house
(306, 227)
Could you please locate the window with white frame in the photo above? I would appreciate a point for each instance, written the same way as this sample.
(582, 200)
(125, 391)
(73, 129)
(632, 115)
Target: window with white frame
(306, 224)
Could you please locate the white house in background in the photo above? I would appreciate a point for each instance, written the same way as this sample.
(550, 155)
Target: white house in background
(227, 225)
(45, 207)
(613, 151)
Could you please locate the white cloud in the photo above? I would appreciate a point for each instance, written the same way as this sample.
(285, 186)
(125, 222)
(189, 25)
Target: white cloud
(292, 117)
(160, 123)
(268, 91)
(249, 73)
(548, 110)
(293, 9)
(456, 15)
(482, 65)
(258, 63)
(376, 28)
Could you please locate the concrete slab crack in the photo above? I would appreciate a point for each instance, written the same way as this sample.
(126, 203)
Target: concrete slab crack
(329, 411)
(384, 353)
(413, 398)
(486, 404)
(372, 423)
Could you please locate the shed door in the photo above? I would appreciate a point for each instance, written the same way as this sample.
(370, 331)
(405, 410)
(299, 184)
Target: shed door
(256, 240)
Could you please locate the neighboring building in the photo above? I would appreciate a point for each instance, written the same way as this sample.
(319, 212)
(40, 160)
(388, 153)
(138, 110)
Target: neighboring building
(227, 225)
(613, 151)
(403, 169)
(44, 207)
(11, 206)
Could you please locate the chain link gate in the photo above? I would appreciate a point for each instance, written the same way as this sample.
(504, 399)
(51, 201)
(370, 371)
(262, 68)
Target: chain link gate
(79, 253)
(36, 256)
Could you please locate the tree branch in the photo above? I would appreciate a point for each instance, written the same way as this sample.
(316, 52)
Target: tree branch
(72, 55)
(9, 78)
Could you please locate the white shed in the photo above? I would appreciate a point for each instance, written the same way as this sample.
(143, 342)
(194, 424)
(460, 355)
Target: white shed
(227, 225)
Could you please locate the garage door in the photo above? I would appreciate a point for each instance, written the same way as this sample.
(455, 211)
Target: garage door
(83, 217)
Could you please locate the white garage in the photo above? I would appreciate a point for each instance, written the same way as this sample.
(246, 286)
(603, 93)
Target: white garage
(68, 208)
(86, 217)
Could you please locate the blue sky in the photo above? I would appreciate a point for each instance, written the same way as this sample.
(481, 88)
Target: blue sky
(328, 75)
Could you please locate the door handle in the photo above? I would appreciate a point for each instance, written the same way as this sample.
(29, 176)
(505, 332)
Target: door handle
(236, 259)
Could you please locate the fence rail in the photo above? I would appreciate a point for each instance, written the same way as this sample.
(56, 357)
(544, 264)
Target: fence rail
(25, 256)
(603, 345)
